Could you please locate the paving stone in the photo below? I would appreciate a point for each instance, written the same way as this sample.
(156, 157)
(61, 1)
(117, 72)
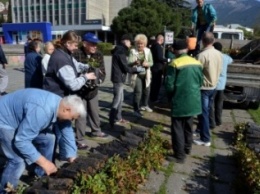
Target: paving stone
(241, 114)
(221, 188)
(227, 119)
(224, 156)
(184, 184)
(225, 172)
(243, 120)
(222, 143)
(193, 166)
(155, 179)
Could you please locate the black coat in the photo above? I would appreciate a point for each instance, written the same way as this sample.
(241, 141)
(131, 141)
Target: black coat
(158, 59)
(120, 65)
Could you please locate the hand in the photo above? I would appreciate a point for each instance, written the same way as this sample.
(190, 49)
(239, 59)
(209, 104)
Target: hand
(47, 166)
(70, 160)
(140, 69)
(145, 64)
(91, 76)
(84, 68)
(137, 62)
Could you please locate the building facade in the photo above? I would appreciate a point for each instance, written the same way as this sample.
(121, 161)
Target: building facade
(79, 15)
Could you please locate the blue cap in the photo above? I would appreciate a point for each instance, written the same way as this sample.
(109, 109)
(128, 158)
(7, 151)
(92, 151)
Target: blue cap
(90, 37)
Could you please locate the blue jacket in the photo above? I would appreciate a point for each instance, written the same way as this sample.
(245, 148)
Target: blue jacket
(33, 71)
(208, 11)
(26, 113)
(223, 75)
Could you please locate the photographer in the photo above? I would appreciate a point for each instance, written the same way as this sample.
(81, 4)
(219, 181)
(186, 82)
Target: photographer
(88, 54)
(62, 77)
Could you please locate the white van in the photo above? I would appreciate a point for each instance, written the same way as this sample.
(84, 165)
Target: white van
(228, 33)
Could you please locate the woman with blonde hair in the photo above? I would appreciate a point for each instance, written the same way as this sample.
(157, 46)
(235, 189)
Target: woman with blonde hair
(141, 56)
(48, 49)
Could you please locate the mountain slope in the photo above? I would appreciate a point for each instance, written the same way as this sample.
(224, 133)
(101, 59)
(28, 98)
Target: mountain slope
(244, 12)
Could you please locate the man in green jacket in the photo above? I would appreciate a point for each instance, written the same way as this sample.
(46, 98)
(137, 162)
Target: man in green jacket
(183, 81)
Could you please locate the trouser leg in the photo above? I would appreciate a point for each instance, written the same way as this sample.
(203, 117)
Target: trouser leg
(3, 79)
(137, 94)
(146, 93)
(116, 110)
(80, 126)
(93, 116)
(155, 85)
(44, 143)
(177, 136)
(219, 106)
(188, 133)
(206, 99)
(15, 165)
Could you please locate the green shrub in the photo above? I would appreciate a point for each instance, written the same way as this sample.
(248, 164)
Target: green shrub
(248, 163)
(105, 48)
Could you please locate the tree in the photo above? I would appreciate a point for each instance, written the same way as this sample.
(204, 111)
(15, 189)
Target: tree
(182, 8)
(146, 16)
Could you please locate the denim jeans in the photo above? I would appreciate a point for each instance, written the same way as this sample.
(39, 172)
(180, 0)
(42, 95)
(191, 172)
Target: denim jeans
(201, 30)
(203, 125)
(65, 140)
(15, 164)
(116, 110)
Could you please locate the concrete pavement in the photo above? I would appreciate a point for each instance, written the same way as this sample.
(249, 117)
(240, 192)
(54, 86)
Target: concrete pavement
(208, 170)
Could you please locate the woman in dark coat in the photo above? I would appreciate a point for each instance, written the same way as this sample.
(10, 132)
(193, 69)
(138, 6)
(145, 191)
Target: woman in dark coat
(32, 66)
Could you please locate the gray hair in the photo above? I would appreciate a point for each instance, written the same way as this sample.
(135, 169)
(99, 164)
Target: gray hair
(141, 38)
(76, 104)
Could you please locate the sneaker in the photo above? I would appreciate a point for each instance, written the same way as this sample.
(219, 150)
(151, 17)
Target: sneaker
(138, 114)
(122, 121)
(146, 108)
(196, 134)
(99, 134)
(199, 142)
(175, 160)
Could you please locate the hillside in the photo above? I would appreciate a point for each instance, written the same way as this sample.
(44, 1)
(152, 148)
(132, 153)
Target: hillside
(244, 12)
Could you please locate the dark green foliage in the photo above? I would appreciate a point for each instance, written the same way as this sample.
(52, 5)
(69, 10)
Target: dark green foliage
(105, 48)
(146, 16)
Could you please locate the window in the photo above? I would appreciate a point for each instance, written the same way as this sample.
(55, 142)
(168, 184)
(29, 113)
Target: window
(229, 36)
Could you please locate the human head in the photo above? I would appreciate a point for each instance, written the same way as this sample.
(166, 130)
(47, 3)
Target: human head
(49, 48)
(34, 46)
(218, 46)
(90, 42)
(140, 42)
(200, 3)
(126, 40)
(70, 40)
(160, 39)
(180, 47)
(70, 108)
(208, 39)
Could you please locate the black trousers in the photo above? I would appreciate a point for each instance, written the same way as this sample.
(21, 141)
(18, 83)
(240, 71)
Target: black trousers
(181, 134)
(215, 113)
(156, 85)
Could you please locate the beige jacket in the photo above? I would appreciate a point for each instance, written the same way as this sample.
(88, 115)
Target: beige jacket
(211, 60)
(133, 56)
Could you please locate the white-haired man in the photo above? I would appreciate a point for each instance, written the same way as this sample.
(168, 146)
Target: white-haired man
(26, 135)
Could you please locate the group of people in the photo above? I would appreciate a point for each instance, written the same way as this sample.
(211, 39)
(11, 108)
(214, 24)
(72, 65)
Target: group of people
(62, 86)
